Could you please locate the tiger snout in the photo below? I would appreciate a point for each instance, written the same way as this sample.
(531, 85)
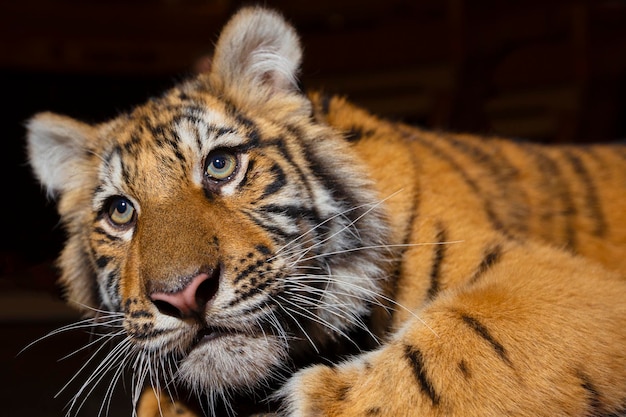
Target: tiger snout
(191, 296)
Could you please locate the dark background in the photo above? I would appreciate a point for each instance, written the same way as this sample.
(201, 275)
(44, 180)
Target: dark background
(549, 71)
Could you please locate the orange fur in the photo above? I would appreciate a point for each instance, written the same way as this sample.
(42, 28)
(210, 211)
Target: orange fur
(489, 272)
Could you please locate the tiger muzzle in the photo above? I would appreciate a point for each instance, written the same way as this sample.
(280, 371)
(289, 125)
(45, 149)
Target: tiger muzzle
(192, 299)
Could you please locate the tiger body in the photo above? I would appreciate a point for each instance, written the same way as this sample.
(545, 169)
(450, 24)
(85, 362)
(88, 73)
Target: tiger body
(243, 236)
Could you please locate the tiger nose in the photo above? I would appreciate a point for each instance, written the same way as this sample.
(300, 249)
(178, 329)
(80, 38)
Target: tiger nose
(192, 300)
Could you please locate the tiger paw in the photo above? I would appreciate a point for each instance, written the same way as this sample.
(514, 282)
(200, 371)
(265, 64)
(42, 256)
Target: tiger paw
(161, 405)
(345, 390)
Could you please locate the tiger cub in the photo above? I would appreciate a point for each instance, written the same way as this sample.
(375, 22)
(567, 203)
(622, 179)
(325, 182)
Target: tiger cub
(245, 248)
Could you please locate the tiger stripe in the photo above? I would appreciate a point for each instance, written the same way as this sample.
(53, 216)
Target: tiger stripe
(439, 251)
(415, 359)
(553, 184)
(592, 206)
(593, 396)
(280, 145)
(491, 256)
(487, 155)
(279, 181)
(482, 331)
(438, 152)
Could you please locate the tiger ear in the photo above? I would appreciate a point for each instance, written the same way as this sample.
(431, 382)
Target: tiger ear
(259, 51)
(56, 148)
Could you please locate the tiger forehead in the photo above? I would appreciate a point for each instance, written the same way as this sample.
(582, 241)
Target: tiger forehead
(170, 141)
(158, 123)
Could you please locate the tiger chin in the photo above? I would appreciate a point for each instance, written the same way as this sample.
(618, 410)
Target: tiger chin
(244, 247)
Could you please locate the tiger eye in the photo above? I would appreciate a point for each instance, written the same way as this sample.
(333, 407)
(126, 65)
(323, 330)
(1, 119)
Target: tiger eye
(220, 165)
(121, 211)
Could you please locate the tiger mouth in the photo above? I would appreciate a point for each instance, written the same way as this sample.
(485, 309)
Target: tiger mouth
(209, 334)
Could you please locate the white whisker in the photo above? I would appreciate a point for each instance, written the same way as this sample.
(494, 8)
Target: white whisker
(288, 312)
(372, 207)
(361, 248)
(311, 316)
(376, 296)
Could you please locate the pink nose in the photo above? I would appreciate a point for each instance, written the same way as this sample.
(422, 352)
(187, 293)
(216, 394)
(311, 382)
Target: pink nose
(191, 301)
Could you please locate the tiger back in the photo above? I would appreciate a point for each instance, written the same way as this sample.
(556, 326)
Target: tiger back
(263, 250)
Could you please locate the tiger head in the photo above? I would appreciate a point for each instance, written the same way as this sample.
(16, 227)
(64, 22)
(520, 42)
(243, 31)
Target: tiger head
(221, 229)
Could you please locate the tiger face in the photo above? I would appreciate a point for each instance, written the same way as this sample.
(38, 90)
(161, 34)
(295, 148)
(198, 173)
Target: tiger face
(213, 227)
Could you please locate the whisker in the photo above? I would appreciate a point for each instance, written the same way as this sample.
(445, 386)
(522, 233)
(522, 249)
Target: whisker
(335, 310)
(375, 295)
(92, 343)
(287, 311)
(361, 248)
(372, 206)
(110, 360)
(81, 369)
(314, 228)
(111, 387)
(311, 316)
(83, 324)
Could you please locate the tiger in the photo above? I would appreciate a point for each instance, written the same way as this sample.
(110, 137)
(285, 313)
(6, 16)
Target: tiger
(245, 247)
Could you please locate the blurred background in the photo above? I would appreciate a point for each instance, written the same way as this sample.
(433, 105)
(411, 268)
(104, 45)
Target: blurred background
(544, 70)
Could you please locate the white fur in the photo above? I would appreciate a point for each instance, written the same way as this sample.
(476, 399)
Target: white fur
(56, 150)
(258, 48)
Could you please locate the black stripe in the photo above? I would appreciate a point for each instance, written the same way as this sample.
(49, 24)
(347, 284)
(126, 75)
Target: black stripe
(439, 250)
(373, 411)
(113, 286)
(416, 360)
(615, 412)
(325, 104)
(592, 202)
(280, 144)
(252, 130)
(279, 181)
(250, 290)
(399, 261)
(356, 133)
(272, 230)
(101, 231)
(264, 250)
(141, 314)
(249, 270)
(342, 392)
(132, 144)
(246, 177)
(593, 396)
(254, 137)
(492, 217)
(502, 173)
(126, 176)
(292, 211)
(490, 258)
(553, 184)
(318, 169)
(179, 155)
(331, 180)
(103, 261)
(483, 332)
(464, 369)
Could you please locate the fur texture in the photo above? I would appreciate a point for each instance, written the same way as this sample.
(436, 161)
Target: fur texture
(248, 248)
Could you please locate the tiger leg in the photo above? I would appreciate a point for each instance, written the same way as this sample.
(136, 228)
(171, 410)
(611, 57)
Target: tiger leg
(539, 335)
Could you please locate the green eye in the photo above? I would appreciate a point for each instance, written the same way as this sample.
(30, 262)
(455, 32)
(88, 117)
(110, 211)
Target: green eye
(220, 165)
(121, 211)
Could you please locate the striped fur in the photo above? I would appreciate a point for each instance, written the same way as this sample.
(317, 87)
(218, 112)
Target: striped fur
(343, 265)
